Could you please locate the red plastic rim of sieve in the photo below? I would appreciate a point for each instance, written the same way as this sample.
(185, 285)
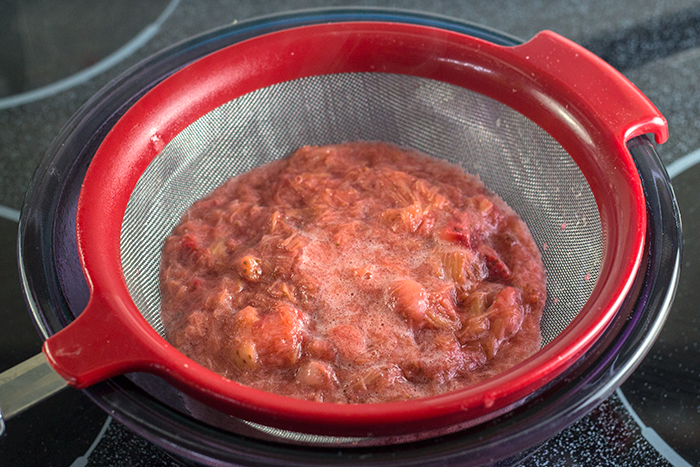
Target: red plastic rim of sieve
(584, 104)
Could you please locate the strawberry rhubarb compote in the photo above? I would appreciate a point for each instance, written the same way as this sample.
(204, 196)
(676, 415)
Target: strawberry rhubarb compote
(353, 273)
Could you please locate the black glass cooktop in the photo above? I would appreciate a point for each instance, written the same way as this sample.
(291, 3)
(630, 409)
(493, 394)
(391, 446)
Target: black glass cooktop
(652, 420)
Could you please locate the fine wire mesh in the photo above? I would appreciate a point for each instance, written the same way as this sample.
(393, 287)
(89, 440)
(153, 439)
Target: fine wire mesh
(513, 156)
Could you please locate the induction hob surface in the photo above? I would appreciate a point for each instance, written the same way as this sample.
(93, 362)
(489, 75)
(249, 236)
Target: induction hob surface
(653, 419)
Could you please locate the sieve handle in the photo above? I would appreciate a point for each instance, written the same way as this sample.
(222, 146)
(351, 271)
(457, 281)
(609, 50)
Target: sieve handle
(107, 339)
(25, 385)
(585, 79)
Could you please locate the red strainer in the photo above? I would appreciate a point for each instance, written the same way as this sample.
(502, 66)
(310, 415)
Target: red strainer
(544, 125)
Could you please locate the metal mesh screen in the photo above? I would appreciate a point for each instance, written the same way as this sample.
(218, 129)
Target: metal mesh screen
(513, 156)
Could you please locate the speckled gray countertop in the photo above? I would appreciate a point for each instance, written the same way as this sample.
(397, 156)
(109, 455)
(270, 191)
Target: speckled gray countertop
(656, 44)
